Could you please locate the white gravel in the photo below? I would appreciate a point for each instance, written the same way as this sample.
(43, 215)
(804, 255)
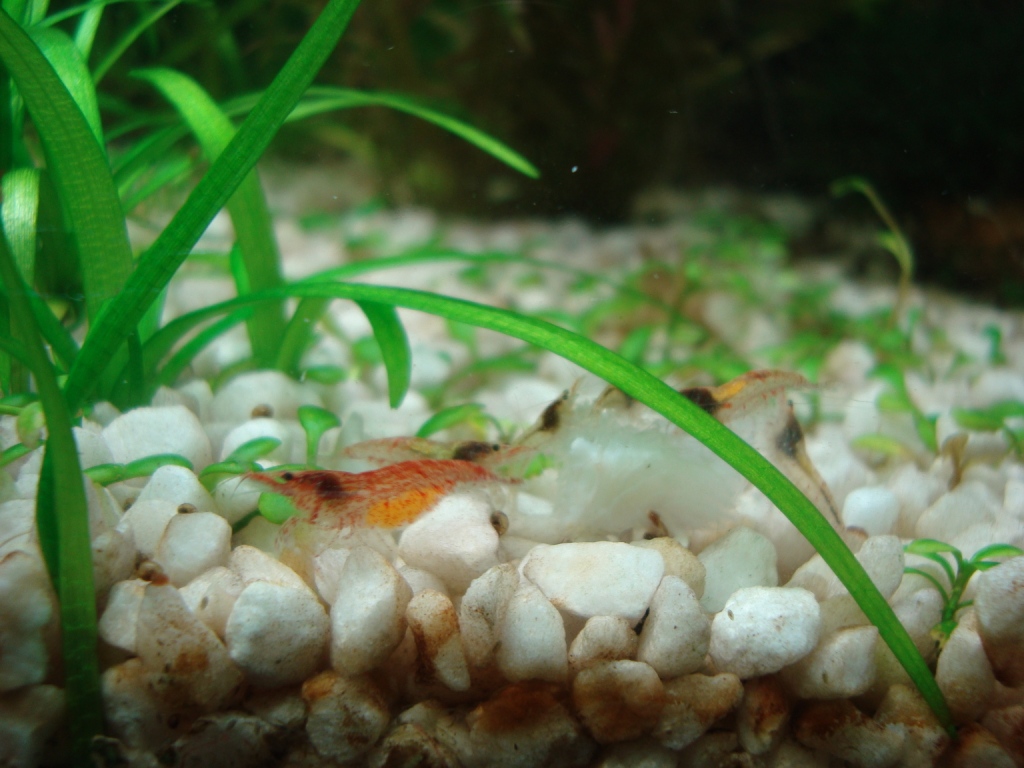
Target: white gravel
(555, 615)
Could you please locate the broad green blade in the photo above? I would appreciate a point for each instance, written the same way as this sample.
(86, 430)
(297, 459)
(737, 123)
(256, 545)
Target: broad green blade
(78, 165)
(250, 217)
(161, 261)
(67, 61)
(394, 346)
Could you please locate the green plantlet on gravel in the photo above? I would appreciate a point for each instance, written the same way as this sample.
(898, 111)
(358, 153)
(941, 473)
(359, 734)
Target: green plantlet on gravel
(958, 576)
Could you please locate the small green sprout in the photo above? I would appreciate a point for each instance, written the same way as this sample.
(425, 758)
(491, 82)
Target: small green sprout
(893, 240)
(315, 422)
(1005, 416)
(106, 474)
(898, 400)
(958, 578)
(471, 414)
(241, 460)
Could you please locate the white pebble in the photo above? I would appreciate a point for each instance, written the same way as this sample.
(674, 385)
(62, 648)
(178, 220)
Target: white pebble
(741, 558)
(211, 596)
(26, 607)
(191, 544)
(253, 564)
(679, 561)
(254, 429)
(482, 611)
(368, 614)
(419, 580)
(881, 556)
(676, 633)
(999, 605)
(17, 526)
(276, 635)
(531, 639)
(435, 627)
(147, 431)
(235, 401)
(456, 540)
(969, 503)
(92, 448)
(113, 558)
(147, 521)
(964, 673)
(600, 578)
(916, 491)
(120, 617)
(327, 568)
(842, 665)
(874, 509)
(178, 485)
(189, 663)
(603, 638)
(763, 629)
(236, 497)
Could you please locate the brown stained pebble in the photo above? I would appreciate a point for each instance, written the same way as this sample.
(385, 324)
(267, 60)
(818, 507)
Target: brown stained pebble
(1007, 725)
(435, 628)
(526, 724)
(222, 739)
(186, 508)
(844, 732)
(926, 738)
(618, 700)
(189, 663)
(977, 747)
(763, 714)
(347, 716)
(410, 746)
(716, 750)
(263, 411)
(693, 704)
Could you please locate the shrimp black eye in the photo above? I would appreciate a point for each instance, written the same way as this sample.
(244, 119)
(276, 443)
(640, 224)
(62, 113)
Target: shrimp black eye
(495, 447)
(286, 476)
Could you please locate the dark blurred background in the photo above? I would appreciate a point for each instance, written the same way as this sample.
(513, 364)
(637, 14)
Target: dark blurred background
(925, 98)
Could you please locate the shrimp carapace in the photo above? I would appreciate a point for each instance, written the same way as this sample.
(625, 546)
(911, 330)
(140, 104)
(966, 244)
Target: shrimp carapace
(388, 497)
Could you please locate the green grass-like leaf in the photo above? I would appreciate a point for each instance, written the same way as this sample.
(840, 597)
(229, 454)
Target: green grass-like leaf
(62, 522)
(250, 216)
(394, 347)
(450, 417)
(162, 259)
(78, 165)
